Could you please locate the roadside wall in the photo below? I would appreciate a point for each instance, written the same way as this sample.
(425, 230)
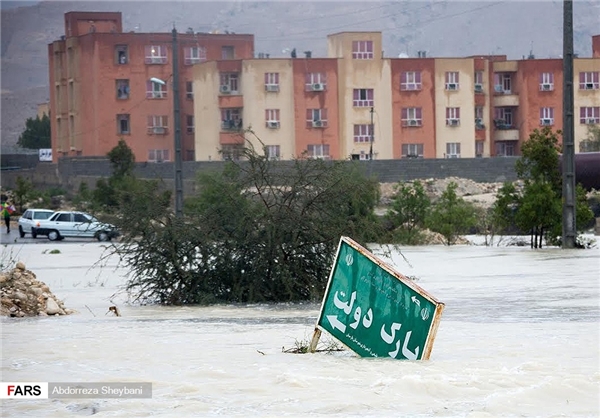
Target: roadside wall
(68, 173)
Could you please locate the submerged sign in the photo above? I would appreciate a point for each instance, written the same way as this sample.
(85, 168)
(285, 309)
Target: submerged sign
(374, 310)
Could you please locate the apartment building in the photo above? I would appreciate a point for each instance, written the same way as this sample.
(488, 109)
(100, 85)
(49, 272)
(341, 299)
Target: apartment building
(106, 84)
(357, 104)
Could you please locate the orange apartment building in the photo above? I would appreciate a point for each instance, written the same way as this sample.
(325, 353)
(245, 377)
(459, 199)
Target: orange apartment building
(353, 104)
(102, 88)
(422, 107)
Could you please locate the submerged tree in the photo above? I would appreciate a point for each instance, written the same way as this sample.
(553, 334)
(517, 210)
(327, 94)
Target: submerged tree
(451, 215)
(409, 208)
(253, 233)
(538, 208)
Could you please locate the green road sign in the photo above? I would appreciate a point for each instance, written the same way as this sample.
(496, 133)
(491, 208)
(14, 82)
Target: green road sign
(374, 310)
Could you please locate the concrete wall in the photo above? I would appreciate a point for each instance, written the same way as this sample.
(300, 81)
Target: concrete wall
(69, 173)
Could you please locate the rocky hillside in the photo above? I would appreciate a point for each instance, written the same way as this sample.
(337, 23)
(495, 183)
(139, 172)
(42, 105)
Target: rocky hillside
(442, 28)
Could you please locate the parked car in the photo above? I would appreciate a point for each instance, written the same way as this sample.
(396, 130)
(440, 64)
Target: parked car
(63, 224)
(30, 218)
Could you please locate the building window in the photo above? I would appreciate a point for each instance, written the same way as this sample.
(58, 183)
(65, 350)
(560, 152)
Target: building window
(589, 80)
(479, 149)
(316, 118)
(194, 55)
(546, 81)
(478, 81)
(589, 115)
(505, 149)
(412, 150)
(157, 125)
(315, 82)
(229, 83)
(158, 155)
(503, 118)
(546, 116)
(452, 116)
(273, 152)
(155, 90)
(410, 80)
(479, 117)
(227, 52)
(123, 126)
(363, 98)
(362, 50)
(189, 90)
(363, 133)
(156, 54)
(122, 89)
(452, 80)
(272, 118)
(320, 151)
(189, 124)
(232, 152)
(121, 55)
(412, 116)
(453, 150)
(271, 81)
(503, 83)
(231, 119)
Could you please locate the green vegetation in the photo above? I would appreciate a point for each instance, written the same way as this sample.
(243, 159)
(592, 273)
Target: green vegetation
(406, 217)
(451, 216)
(36, 134)
(538, 207)
(252, 233)
(591, 143)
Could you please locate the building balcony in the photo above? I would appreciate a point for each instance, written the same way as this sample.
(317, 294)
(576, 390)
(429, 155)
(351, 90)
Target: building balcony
(232, 125)
(510, 134)
(506, 100)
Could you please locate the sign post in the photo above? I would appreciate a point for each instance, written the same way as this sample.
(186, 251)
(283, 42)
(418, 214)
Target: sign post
(374, 310)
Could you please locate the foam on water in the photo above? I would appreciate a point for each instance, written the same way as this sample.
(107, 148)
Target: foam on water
(519, 337)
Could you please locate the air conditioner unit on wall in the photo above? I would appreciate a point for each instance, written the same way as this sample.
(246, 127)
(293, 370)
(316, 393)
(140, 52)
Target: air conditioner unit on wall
(413, 122)
(546, 121)
(158, 130)
(591, 121)
(225, 89)
(272, 87)
(478, 88)
(546, 87)
(317, 123)
(589, 86)
(273, 124)
(451, 86)
(453, 122)
(318, 87)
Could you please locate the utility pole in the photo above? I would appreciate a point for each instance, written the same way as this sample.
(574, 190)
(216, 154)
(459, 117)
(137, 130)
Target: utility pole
(177, 129)
(569, 230)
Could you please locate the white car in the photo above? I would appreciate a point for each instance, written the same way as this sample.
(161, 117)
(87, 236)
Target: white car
(64, 224)
(30, 219)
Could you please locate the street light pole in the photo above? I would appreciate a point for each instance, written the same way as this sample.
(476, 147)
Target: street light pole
(569, 230)
(177, 130)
